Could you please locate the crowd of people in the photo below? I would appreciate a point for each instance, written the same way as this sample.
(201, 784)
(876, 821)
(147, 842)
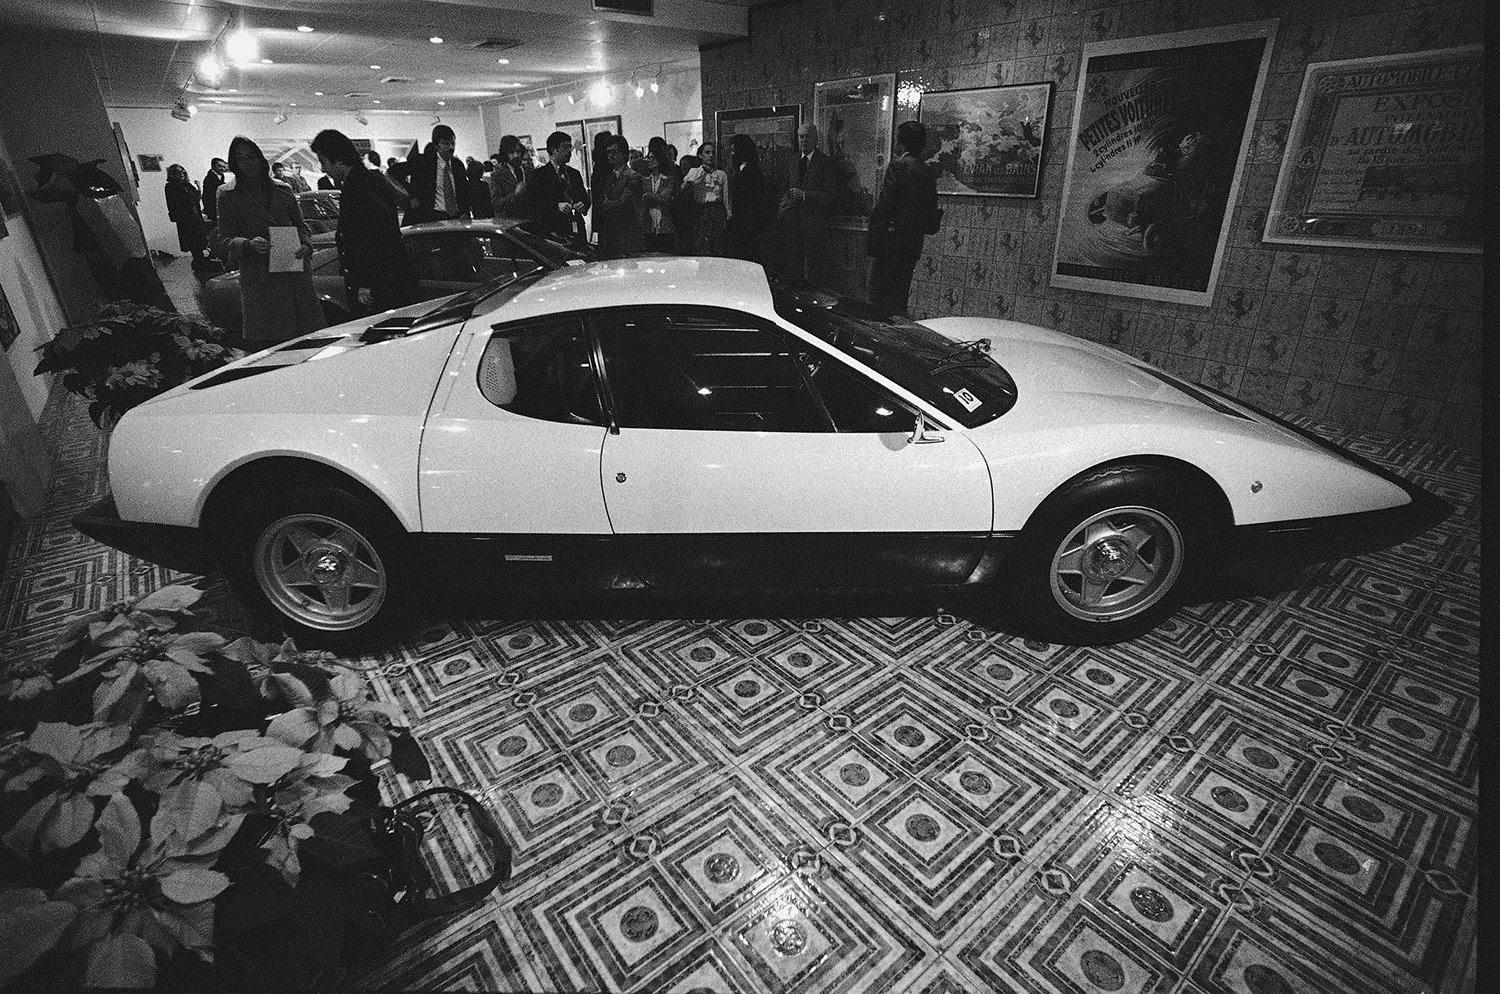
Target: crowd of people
(636, 201)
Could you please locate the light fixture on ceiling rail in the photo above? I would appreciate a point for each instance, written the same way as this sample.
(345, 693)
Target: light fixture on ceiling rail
(280, 117)
(241, 46)
(518, 105)
(545, 100)
(635, 84)
(359, 116)
(572, 97)
(659, 80)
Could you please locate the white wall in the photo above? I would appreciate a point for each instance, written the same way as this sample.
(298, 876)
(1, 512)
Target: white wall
(153, 131)
(640, 120)
(35, 304)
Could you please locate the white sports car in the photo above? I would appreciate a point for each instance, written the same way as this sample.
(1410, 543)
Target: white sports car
(685, 423)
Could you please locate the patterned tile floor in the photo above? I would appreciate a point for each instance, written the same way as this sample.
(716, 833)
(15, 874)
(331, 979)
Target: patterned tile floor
(1275, 792)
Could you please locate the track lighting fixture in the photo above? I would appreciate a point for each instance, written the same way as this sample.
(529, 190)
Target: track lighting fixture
(280, 117)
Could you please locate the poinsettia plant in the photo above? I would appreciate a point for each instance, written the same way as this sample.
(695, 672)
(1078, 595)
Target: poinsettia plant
(180, 809)
(131, 352)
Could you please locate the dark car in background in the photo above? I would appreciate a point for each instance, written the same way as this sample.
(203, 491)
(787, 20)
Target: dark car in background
(447, 256)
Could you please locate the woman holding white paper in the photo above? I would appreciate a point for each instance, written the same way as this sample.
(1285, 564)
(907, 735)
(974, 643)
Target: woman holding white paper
(276, 294)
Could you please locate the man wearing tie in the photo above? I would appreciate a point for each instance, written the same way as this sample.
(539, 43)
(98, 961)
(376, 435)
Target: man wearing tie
(438, 189)
(805, 209)
(554, 195)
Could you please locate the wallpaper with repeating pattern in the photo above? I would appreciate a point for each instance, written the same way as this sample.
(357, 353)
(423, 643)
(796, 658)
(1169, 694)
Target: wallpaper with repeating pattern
(1366, 339)
(1276, 791)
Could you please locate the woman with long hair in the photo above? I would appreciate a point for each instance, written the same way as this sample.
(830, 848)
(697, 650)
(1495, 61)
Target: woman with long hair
(601, 174)
(508, 180)
(748, 201)
(185, 209)
(275, 306)
(708, 184)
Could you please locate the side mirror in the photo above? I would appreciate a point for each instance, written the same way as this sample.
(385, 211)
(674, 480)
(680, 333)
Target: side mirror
(919, 434)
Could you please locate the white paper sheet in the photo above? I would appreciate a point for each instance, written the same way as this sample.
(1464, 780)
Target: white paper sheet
(284, 245)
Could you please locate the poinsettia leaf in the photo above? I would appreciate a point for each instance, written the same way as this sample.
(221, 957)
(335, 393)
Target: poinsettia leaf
(119, 830)
(266, 764)
(281, 856)
(248, 651)
(336, 803)
(31, 925)
(121, 961)
(322, 764)
(176, 597)
(67, 823)
(191, 884)
(347, 687)
(189, 659)
(90, 665)
(377, 742)
(82, 893)
(192, 925)
(112, 692)
(56, 739)
(295, 727)
(391, 711)
(190, 809)
(174, 685)
(99, 741)
(345, 736)
(292, 690)
(214, 840)
(200, 642)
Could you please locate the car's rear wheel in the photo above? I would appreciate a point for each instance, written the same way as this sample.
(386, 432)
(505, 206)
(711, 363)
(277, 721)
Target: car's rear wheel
(1111, 554)
(321, 563)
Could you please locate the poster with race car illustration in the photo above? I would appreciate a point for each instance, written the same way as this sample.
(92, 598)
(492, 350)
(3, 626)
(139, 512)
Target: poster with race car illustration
(1386, 152)
(1155, 156)
(988, 141)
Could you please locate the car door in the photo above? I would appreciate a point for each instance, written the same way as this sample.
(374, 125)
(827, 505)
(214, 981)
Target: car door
(728, 469)
(454, 261)
(509, 468)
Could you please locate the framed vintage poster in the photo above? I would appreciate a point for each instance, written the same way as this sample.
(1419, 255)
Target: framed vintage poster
(989, 141)
(10, 328)
(149, 163)
(1386, 152)
(580, 160)
(774, 131)
(685, 135)
(1155, 156)
(854, 128)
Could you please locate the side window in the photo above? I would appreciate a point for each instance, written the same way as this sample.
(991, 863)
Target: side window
(494, 258)
(854, 402)
(442, 258)
(541, 369)
(703, 370)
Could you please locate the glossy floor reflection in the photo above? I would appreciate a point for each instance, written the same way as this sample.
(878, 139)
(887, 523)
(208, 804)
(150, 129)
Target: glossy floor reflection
(1274, 792)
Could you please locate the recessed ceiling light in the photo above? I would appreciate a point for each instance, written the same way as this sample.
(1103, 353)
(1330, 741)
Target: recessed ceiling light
(435, 40)
(591, 66)
(440, 82)
(374, 101)
(503, 62)
(442, 103)
(374, 66)
(232, 90)
(291, 105)
(266, 62)
(304, 28)
(317, 93)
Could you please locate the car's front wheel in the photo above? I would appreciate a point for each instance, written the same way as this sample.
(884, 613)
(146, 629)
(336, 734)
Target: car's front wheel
(321, 563)
(1111, 554)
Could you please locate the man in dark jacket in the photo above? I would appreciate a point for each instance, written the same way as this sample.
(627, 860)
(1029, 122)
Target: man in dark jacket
(555, 196)
(211, 183)
(905, 212)
(806, 207)
(377, 272)
(438, 181)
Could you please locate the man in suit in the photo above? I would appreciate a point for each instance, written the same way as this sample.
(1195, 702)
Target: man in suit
(211, 183)
(377, 272)
(904, 214)
(555, 196)
(806, 207)
(437, 181)
(620, 205)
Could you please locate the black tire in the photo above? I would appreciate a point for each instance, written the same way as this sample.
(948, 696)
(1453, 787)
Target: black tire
(320, 563)
(1111, 554)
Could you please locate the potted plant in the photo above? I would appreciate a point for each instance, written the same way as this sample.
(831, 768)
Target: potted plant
(131, 352)
(188, 811)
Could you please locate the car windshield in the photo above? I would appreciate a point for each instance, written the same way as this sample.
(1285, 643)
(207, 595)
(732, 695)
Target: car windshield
(462, 307)
(958, 378)
(556, 253)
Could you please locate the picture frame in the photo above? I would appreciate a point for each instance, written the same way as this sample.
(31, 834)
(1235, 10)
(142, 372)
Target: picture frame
(1386, 152)
(10, 328)
(10, 190)
(574, 130)
(685, 135)
(854, 118)
(1161, 129)
(774, 131)
(149, 163)
(989, 140)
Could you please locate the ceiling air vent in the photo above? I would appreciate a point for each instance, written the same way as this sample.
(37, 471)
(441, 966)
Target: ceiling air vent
(494, 44)
(641, 8)
(398, 79)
